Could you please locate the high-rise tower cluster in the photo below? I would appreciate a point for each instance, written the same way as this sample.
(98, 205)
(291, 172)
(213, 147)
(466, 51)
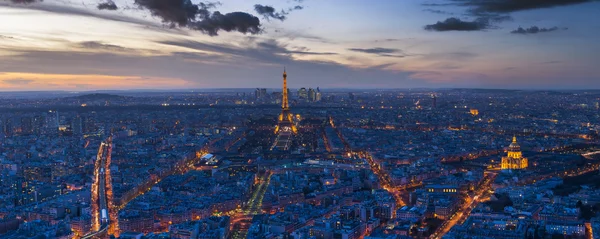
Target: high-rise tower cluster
(310, 95)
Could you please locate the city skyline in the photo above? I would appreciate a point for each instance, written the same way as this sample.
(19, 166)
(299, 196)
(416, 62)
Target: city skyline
(311, 164)
(299, 119)
(74, 46)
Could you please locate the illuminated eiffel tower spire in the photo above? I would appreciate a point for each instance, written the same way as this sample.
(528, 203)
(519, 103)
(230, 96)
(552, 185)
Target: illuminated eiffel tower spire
(284, 101)
(285, 121)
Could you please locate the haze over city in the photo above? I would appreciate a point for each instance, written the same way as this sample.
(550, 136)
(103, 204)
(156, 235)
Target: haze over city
(93, 45)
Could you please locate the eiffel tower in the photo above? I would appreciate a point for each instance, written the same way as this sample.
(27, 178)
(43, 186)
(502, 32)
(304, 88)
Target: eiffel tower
(285, 128)
(285, 122)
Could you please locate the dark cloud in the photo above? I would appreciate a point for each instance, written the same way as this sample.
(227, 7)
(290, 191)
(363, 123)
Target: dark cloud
(18, 81)
(278, 48)
(269, 12)
(438, 11)
(389, 52)
(184, 13)
(497, 17)
(175, 13)
(455, 24)
(268, 50)
(204, 9)
(533, 30)
(438, 4)
(101, 46)
(507, 6)
(300, 34)
(390, 40)
(172, 12)
(76, 11)
(108, 5)
(303, 51)
(256, 53)
(377, 50)
(234, 21)
(498, 10)
(312, 53)
(24, 1)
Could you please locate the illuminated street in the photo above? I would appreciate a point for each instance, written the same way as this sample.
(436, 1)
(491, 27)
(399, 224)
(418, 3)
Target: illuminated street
(384, 179)
(240, 221)
(254, 205)
(182, 167)
(104, 214)
(481, 194)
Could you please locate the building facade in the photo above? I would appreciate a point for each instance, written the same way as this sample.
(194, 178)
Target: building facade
(514, 159)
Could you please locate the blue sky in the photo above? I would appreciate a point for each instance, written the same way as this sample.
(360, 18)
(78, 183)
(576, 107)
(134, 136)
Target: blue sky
(71, 45)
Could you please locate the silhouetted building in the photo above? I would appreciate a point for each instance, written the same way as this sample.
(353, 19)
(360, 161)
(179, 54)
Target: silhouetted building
(260, 93)
(318, 95)
(38, 124)
(312, 95)
(302, 93)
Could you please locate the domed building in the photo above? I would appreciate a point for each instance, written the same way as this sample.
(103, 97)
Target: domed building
(514, 159)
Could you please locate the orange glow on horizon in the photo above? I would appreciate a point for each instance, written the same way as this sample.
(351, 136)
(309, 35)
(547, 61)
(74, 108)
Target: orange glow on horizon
(33, 81)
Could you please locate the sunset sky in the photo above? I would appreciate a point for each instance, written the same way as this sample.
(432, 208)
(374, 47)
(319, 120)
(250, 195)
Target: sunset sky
(145, 44)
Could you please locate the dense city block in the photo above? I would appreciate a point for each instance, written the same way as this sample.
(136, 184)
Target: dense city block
(299, 164)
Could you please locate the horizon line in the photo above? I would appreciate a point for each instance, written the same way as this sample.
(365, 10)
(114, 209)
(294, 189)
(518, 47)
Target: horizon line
(177, 90)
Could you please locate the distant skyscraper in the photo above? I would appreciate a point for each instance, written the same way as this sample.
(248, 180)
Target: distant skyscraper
(52, 122)
(276, 97)
(38, 124)
(302, 93)
(260, 93)
(318, 95)
(351, 96)
(514, 159)
(434, 101)
(263, 92)
(312, 95)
